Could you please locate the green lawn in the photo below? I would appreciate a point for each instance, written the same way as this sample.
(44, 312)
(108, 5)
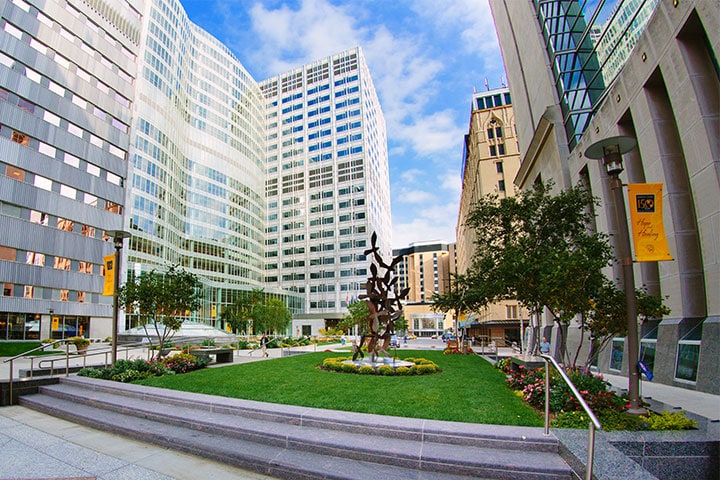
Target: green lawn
(10, 349)
(468, 389)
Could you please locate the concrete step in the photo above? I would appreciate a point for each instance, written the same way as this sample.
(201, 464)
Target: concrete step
(297, 442)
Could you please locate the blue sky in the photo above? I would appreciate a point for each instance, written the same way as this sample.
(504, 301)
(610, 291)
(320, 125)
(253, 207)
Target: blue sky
(425, 57)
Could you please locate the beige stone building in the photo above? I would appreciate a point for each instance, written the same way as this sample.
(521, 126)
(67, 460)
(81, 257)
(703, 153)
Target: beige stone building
(665, 96)
(491, 161)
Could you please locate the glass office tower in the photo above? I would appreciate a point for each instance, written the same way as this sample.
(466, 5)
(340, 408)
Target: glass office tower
(198, 161)
(587, 44)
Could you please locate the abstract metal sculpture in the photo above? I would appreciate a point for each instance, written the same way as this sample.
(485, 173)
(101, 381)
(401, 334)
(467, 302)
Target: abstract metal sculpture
(384, 304)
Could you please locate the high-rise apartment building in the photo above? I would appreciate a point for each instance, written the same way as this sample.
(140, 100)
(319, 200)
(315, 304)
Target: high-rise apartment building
(666, 96)
(425, 268)
(327, 186)
(67, 73)
(124, 115)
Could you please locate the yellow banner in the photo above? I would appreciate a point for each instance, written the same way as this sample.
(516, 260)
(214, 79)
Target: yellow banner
(646, 219)
(55, 324)
(109, 286)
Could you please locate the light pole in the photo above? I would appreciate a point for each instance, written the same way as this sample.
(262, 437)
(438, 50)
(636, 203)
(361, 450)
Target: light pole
(610, 151)
(118, 237)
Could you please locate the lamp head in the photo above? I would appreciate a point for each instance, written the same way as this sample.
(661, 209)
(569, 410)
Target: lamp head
(610, 151)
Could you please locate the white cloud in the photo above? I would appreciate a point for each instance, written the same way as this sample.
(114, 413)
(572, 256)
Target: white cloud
(451, 180)
(472, 18)
(411, 175)
(422, 229)
(406, 195)
(433, 133)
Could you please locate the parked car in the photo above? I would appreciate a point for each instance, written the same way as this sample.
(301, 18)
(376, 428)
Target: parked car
(394, 342)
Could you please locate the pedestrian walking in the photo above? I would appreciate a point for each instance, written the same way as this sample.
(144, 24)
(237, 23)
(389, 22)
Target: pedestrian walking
(263, 345)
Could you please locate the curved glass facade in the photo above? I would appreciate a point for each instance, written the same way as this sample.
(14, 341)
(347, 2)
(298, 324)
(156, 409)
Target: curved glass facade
(198, 156)
(587, 44)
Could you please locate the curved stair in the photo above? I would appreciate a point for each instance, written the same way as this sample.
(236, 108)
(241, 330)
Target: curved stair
(293, 442)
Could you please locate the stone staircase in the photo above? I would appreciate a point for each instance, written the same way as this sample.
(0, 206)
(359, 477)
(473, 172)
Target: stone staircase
(293, 442)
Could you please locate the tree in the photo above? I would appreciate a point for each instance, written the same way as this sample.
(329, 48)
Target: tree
(254, 309)
(161, 299)
(271, 316)
(534, 247)
(608, 316)
(240, 314)
(356, 317)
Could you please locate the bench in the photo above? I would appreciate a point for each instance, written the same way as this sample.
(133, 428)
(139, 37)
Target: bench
(222, 355)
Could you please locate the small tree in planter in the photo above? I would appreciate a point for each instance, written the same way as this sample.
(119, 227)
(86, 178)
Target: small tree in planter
(161, 299)
(81, 343)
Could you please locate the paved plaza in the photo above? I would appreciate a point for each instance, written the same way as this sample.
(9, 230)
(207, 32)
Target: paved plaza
(39, 446)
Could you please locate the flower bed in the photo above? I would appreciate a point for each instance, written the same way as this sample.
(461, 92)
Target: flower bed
(130, 370)
(610, 408)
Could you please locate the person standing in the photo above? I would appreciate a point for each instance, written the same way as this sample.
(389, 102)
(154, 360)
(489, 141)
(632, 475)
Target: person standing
(544, 346)
(263, 345)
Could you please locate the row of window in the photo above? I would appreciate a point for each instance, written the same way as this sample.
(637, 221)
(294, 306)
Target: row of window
(28, 326)
(64, 190)
(44, 293)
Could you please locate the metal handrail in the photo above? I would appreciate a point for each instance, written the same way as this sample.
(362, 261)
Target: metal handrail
(594, 423)
(60, 357)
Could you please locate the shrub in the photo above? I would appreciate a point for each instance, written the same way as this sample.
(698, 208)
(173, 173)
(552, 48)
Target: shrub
(130, 376)
(425, 368)
(208, 342)
(348, 368)
(183, 362)
(503, 364)
(668, 421)
(92, 372)
(366, 370)
(403, 371)
(386, 370)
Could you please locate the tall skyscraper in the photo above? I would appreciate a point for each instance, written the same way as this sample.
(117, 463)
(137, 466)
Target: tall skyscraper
(665, 94)
(327, 184)
(67, 71)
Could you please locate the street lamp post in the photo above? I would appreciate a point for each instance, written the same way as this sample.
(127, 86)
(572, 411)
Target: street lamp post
(118, 236)
(610, 151)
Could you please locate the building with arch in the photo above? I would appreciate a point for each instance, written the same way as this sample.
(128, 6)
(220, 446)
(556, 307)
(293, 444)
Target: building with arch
(567, 96)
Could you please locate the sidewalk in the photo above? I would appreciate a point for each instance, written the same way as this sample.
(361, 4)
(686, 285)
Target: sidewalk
(40, 446)
(704, 404)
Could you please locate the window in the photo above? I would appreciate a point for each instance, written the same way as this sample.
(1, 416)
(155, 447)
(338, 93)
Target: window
(616, 355)
(688, 355)
(501, 149)
(648, 346)
(501, 185)
(499, 167)
(490, 133)
(493, 151)
(20, 138)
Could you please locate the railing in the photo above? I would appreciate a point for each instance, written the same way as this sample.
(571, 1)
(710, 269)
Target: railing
(594, 423)
(297, 344)
(51, 360)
